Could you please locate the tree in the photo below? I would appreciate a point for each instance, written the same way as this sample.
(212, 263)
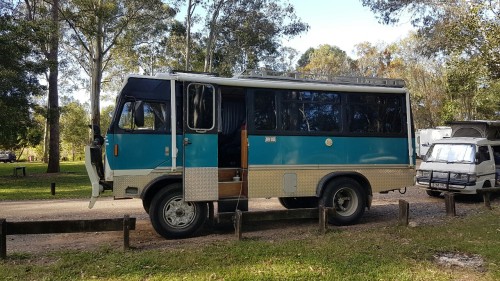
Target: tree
(100, 26)
(20, 66)
(74, 127)
(464, 36)
(242, 33)
(329, 60)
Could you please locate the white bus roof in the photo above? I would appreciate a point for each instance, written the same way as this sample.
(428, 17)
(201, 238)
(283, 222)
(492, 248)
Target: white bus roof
(354, 84)
(468, 140)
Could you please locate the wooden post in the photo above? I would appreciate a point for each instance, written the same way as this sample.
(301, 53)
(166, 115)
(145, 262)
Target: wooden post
(3, 238)
(238, 223)
(486, 198)
(449, 200)
(53, 188)
(404, 212)
(126, 232)
(323, 218)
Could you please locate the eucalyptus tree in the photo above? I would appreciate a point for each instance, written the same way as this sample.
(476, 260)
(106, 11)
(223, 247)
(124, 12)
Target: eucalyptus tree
(100, 26)
(465, 36)
(242, 33)
(327, 60)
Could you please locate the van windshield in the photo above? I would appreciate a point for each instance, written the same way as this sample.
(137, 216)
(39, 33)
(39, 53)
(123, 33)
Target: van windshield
(451, 153)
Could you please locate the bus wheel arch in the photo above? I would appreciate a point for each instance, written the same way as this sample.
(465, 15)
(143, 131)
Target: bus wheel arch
(172, 217)
(152, 188)
(348, 194)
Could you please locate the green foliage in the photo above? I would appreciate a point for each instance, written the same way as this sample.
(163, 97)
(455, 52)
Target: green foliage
(74, 129)
(329, 60)
(19, 67)
(385, 253)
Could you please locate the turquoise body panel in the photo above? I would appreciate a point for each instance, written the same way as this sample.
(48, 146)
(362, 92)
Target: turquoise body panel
(202, 150)
(312, 150)
(141, 151)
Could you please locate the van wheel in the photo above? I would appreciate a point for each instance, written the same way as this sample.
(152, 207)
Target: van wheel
(299, 202)
(348, 199)
(172, 217)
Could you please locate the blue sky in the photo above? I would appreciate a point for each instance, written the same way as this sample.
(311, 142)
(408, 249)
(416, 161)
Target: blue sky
(342, 23)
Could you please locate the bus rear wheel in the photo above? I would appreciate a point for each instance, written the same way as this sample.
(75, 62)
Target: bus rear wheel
(348, 199)
(172, 217)
(299, 202)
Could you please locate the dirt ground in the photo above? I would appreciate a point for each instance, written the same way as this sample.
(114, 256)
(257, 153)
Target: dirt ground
(384, 212)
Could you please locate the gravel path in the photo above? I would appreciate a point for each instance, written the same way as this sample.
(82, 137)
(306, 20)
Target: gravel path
(384, 212)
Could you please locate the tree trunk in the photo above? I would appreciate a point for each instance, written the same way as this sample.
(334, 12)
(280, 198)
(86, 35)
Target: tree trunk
(97, 60)
(190, 11)
(209, 51)
(53, 111)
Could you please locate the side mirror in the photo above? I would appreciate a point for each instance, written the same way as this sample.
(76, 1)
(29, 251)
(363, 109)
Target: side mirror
(139, 114)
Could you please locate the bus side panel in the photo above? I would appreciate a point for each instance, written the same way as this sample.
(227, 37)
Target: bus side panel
(312, 150)
(383, 161)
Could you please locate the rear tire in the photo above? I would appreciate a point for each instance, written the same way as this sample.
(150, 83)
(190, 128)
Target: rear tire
(172, 217)
(348, 199)
(299, 202)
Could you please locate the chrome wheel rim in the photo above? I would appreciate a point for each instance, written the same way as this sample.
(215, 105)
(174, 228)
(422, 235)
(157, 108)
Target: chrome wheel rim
(179, 214)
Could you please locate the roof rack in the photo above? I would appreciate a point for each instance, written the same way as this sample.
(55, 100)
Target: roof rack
(320, 78)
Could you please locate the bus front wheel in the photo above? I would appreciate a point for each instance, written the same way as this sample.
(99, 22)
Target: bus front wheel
(348, 199)
(172, 217)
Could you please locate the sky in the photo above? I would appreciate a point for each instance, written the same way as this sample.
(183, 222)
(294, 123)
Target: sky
(342, 23)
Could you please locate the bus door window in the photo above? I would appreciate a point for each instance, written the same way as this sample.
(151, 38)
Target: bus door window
(200, 107)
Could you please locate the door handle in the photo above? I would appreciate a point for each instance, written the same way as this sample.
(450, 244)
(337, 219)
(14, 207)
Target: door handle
(187, 141)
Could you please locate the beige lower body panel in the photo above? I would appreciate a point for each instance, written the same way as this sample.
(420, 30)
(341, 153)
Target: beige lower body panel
(271, 181)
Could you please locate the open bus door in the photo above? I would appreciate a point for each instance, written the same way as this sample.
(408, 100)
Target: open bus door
(200, 143)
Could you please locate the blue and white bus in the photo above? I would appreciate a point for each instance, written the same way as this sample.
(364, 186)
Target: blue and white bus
(188, 144)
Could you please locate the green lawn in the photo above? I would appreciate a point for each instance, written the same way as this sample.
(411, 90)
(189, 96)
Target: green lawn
(385, 253)
(382, 253)
(71, 182)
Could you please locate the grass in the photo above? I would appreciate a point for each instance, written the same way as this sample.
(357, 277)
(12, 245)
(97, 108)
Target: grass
(71, 182)
(383, 253)
(387, 253)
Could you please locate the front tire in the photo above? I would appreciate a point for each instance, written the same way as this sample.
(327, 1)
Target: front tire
(172, 217)
(348, 199)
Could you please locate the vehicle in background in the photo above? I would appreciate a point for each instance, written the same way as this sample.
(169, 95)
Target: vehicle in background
(426, 137)
(7, 156)
(183, 142)
(464, 163)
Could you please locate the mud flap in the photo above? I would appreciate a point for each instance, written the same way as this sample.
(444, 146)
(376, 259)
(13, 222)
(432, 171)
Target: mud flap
(97, 188)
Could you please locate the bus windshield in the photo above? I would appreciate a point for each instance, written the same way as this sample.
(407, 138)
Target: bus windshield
(451, 153)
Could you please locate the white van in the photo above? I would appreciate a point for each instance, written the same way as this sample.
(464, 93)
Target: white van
(460, 165)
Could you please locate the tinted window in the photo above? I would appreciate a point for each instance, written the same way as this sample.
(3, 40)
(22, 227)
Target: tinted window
(370, 113)
(265, 110)
(305, 111)
(200, 107)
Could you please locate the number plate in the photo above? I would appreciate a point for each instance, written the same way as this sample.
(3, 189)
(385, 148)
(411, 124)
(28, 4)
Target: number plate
(439, 185)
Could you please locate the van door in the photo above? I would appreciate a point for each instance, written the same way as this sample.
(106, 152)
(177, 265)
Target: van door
(200, 142)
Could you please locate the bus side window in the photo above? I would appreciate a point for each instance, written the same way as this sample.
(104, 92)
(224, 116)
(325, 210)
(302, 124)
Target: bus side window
(484, 154)
(265, 110)
(144, 116)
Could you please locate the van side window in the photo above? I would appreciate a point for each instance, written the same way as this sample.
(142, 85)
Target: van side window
(484, 154)
(496, 154)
